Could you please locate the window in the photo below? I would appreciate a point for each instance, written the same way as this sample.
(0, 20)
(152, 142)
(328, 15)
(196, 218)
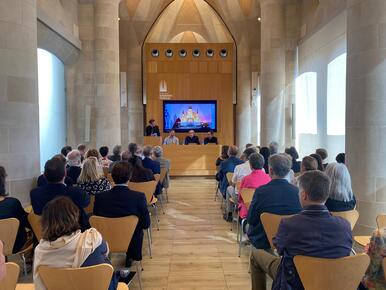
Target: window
(336, 96)
(306, 113)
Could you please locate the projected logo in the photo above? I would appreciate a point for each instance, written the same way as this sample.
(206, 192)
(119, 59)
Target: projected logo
(163, 91)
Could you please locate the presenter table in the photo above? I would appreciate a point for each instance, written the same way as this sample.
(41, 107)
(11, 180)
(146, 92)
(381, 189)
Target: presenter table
(192, 160)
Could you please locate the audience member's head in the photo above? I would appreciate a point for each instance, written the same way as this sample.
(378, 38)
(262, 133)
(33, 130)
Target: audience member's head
(249, 145)
(192, 133)
(256, 161)
(54, 171)
(322, 153)
(265, 152)
(224, 152)
(65, 150)
(248, 152)
(293, 153)
(341, 158)
(121, 172)
(233, 151)
(125, 156)
(93, 153)
(279, 165)
(61, 158)
(313, 188)
(117, 150)
(60, 218)
(3, 176)
(89, 171)
(104, 151)
(157, 151)
(308, 164)
(340, 182)
(74, 158)
(133, 148)
(273, 147)
(82, 149)
(319, 160)
(147, 151)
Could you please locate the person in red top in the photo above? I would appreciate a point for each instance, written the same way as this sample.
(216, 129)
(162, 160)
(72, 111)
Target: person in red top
(257, 178)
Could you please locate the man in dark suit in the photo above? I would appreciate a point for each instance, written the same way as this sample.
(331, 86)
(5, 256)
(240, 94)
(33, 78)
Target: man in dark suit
(120, 201)
(54, 172)
(228, 165)
(151, 164)
(211, 139)
(152, 129)
(192, 138)
(314, 232)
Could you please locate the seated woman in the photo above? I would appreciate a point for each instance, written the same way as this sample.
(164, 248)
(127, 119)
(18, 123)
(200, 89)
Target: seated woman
(223, 156)
(10, 207)
(294, 155)
(90, 180)
(319, 160)
(254, 180)
(63, 245)
(140, 173)
(341, 196)
(95, 153)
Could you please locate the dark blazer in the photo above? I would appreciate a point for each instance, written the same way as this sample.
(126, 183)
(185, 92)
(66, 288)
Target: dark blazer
(296, 166)
(40, 196)
(73, 172)
(155, 167)
(226, 166)
(120, 201)
(114, 157)
(338, 205)
(212, 140)
(192, 140)
(277, 197)
(152, 130)
(315, 233)
(141, 174)
(43, 181)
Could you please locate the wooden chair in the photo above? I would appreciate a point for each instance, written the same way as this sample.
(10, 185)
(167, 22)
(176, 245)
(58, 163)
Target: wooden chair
(34, 221)
(247, 195)
(157, 177)
(10, 280)
(229, 176)
(332, 274)
(271, 224)
(351, 216)
(90, 208)
(384, 266)
(118, 233)
(381, 221)
(96, 277)
(162, 179)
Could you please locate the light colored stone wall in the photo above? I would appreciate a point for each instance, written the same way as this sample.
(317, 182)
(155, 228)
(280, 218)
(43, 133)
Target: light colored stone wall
(19, 110)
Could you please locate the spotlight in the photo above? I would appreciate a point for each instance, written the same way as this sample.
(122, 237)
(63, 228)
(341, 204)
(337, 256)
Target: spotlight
(155, 52)
(196, 53)
(182, 53)
(169, 53)
(209, 52)
(223, 52)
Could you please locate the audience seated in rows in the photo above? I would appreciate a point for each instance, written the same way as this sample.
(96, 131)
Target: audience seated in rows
(11, 207)
(254, 180)
(116, 156)
(210, 139)
(67, 180)
(63, 245)
(266, 153)
(192, 138)
(227, 166)
(90, 181)
(223, 156)
(341, 196)
(120, 201)
(104, 152)
(82, 150)
(74, 164)
(277, 197)
(324, 155)
(319, 160)
(55, 171)
(164, 163)
(295, 156)
(171, 139)
(314, 232)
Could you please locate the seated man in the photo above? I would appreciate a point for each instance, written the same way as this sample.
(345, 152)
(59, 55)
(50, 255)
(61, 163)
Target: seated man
(54, 172)
(228, 165)
(152, 129)
(120, 201)
(67, 180)
(151, 164)
(210, 139)
(314, 232)
(171, 139)
(192, 138)
(278, 197)
(74, 165)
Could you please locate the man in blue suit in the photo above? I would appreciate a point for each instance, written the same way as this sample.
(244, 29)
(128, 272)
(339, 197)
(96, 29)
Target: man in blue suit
(228, 165)
(120, 201)
(314, 232)
(151, 164)
(54, 173)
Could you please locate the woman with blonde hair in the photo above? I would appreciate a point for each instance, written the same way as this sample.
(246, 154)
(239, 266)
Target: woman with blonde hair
(90, 180)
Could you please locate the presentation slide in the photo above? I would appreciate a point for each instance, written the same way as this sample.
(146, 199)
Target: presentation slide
(183, 116)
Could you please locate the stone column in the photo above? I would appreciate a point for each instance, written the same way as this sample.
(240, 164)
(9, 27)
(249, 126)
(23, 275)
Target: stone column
(107, 99)
(19, 102)
(366, 108)
(272, 71)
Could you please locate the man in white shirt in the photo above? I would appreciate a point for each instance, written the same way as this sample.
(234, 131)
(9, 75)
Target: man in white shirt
(240, 172)
(171, 139)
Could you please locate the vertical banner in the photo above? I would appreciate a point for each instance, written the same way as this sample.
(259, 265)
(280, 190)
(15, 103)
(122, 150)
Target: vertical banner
(123, 89)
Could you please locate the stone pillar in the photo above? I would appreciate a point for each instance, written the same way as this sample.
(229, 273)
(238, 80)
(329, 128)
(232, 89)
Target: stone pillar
(366, 108)
(19, 102)
(272, 71)
(107, 98)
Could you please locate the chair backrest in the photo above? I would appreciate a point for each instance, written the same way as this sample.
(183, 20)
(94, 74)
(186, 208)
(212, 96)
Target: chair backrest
(332, 274)
(381, 221)
(8, 232)
(229, 176)
(384, 266)
(116, 231)
(148, 188)
(34, 221)
(157, 177)
(247, 195)
(110, 179)
(90, 208)
(350, 215)
(238, 183)
(96, 277)
(163, 174)
(10, 280)
(271, 224)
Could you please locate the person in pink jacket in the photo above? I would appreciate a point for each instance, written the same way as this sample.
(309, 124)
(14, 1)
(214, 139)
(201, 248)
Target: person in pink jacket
(257, 178)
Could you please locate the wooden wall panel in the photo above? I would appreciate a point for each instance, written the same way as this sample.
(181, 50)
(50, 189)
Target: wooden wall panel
(191, 78)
